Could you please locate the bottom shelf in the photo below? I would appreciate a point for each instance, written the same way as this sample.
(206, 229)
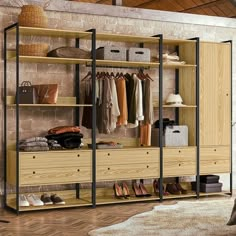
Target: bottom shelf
(104, 196)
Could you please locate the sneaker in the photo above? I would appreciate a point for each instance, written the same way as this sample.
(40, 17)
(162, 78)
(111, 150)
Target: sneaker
(57, 200)
(23, 201)
(45, 198)
(34, 200)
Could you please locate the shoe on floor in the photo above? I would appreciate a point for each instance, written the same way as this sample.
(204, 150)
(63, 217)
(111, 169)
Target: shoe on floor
(23, 202)
(45, 198)
(57, 200)
(34, 200)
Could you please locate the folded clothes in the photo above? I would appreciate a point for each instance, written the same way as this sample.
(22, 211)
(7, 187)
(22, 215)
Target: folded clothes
(64, 129)
(34, 139)
(33, 144)
(35, 148)
(68, 140)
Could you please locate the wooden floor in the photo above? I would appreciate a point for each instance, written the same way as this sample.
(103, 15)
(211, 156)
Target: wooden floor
(76, 221)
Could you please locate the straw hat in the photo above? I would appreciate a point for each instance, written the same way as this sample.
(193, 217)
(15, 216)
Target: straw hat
(175, 100)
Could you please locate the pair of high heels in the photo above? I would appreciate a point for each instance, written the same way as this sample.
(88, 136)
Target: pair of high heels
(121, 191)
(156, 188)
(140, 190)
(176, 188)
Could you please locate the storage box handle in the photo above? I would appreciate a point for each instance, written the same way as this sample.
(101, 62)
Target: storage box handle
(115, 51)
(176, 131)
(139, 52)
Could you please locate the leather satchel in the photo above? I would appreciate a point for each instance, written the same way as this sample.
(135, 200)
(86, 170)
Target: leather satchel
(27, 93)
(46, 93)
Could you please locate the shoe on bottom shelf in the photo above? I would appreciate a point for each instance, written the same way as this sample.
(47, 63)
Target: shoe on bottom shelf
(57, 200)
(34, 200)
(46, 199)
(23, 202)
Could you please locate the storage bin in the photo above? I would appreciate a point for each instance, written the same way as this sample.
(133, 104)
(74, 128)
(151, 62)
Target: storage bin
(176, 135)
(209, 179)
(111, 53)
(138, 54)
(207, 188)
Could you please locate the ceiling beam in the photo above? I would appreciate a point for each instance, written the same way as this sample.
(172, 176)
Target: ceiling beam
(209, 4)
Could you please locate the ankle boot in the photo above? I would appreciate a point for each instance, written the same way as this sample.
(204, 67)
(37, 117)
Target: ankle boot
(172, 189)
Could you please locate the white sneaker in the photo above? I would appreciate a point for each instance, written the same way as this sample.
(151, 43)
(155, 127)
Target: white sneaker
(34, 200)
(23, 201)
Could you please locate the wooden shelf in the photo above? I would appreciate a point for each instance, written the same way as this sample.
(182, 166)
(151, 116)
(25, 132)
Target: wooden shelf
(178, 41)
(107, 63)
(61, 102)
(177, 65)
(28, 31)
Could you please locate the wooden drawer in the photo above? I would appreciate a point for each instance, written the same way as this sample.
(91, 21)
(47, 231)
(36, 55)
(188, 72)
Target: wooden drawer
(128, 156)
(215, 153)
(64, 175)
(55, 159)
(214, 166)
(179, 154)
(179, 168)
(136, 171)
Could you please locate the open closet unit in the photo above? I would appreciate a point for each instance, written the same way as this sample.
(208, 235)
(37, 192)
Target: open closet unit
(206, 152)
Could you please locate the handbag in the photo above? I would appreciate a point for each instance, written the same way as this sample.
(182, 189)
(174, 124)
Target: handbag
(47, 93)
(27, 94)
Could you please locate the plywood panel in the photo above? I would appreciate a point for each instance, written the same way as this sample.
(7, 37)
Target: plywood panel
(215, 93)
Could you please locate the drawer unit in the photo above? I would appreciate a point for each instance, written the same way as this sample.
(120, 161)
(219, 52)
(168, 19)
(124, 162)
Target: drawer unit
(127, 156)
(65, 175)
(120, 172)
(55, 159)
(179, 161)
(215, 159)
(180, 168)
(179, 154)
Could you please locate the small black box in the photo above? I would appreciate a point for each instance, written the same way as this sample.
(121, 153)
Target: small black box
(208, 188)
(209, 179)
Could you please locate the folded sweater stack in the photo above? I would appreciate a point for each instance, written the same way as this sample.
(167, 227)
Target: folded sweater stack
(67, 136)
(34, 144)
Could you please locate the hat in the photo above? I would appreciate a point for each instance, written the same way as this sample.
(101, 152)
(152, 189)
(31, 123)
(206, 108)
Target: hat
(174, 100)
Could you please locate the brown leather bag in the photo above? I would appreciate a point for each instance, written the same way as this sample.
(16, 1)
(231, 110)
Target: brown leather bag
(46, 93)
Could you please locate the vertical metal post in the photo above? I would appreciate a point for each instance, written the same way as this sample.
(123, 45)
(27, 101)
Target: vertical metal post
(5, 118)
(17, 117)
(93, 42)
(77, 86)
(177, 89)
(160, 113)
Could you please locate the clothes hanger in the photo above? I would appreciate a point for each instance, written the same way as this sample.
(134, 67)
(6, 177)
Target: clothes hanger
(86, 76)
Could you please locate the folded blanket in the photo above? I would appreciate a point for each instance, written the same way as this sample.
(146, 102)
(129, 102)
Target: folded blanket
(33, 144)
(35, 148)
(64, 129)
(34, 139)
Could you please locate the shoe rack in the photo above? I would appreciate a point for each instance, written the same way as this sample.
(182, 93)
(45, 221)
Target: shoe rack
(91, 166)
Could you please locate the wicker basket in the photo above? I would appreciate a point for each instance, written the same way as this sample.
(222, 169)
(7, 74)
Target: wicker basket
(33, 16)
(40, 49)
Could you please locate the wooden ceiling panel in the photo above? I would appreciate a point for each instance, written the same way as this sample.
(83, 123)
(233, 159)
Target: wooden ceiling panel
(223, 8)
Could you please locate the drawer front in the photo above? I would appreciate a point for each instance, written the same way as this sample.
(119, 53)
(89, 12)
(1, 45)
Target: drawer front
(181, 168)
(179, 154)
(214, 166)
(128, 156)
(55, 176)
(136, 171)
(55, 159)
(215, 153)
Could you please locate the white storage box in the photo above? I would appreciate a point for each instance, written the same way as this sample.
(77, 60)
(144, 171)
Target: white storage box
(138, 54)
(111, 53)
(176, 135)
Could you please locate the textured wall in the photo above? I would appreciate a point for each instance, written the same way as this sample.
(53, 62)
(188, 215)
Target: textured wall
(65, 15)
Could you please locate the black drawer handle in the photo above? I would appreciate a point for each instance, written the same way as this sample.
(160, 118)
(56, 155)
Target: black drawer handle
(147, 152)
(179, 164)
(78, 170)
(179, 151)
(34, 172)
(78, 155)
(215, 150)
(34, 157)
(108, 168)
(108, 154)
(215, 162)
(147, 166)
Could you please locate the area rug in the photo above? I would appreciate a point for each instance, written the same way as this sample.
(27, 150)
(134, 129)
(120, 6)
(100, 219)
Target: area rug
(185, 218)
